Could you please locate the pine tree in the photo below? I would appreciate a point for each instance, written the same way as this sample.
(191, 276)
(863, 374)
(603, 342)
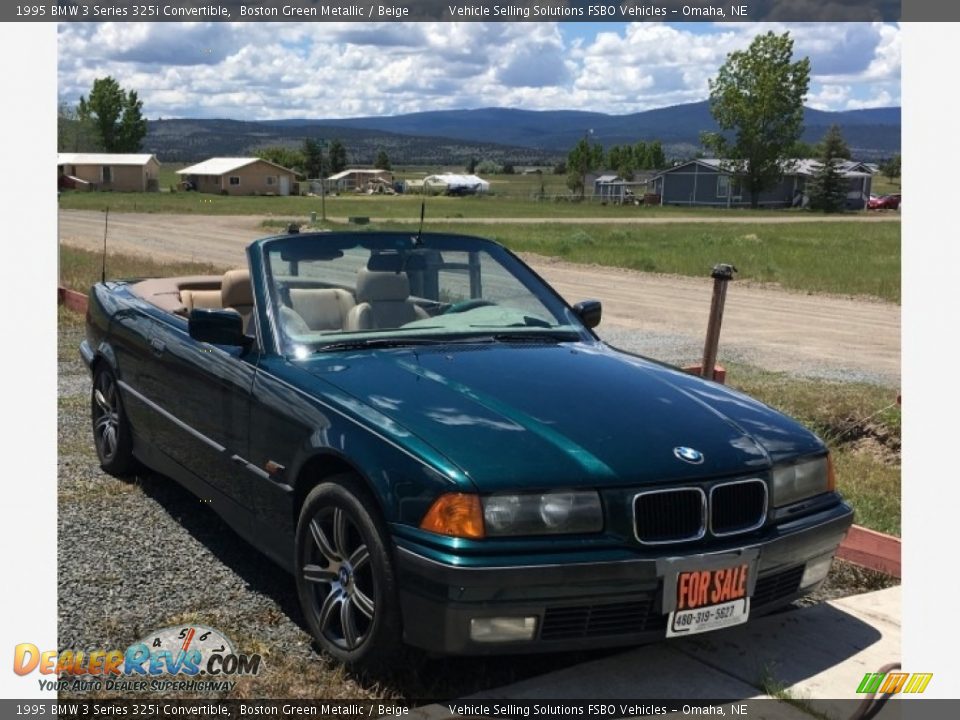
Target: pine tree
(828, 188)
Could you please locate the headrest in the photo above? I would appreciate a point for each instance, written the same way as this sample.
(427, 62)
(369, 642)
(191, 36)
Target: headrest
(382, 286)
(236, 289)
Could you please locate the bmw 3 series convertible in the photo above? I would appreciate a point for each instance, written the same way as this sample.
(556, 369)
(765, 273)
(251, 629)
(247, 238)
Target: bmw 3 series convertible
(445, 455)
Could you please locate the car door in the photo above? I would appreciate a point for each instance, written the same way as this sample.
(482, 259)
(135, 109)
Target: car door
(204, 390)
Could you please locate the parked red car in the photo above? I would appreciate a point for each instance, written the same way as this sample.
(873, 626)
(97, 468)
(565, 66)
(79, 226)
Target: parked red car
(884, 202)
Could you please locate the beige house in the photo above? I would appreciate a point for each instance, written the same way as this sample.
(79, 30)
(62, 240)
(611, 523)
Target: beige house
(240, 176)
(110, 171)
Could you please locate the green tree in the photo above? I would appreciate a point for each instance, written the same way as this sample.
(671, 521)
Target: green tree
(338, 157)
(828, 188)
(312, 158)
(133, 126)
(757, 97)
(839, 147)
(488, 167)
(641, 156)
(803, 150)
(583, 158)
(382, 162)
(116, 115)
(471, 167)
(655, 157)
(560, 168)
(891, 168)
(283, 156)
(74, 133)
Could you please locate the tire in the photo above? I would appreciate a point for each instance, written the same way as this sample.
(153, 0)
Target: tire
(345, 578)
(111, 428)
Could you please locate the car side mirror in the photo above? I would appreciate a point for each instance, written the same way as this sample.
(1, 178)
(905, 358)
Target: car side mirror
(217, 327)
(589, 312)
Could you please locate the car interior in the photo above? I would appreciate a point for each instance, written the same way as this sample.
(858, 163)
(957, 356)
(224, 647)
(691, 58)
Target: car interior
(381, 300)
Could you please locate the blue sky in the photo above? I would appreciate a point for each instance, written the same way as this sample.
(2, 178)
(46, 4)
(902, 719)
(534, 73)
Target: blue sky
(261, 71)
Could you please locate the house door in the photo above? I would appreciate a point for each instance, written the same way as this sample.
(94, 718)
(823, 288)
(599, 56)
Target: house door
(284, 184)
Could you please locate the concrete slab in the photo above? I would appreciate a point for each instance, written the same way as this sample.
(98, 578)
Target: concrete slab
(818, 653)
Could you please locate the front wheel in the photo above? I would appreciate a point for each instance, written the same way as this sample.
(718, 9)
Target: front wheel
(345, 578)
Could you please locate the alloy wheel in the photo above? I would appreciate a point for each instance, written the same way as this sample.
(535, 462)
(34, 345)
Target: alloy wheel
(106, 417)
(340, 573)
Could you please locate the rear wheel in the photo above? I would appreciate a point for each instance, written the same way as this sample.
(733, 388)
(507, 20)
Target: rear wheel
(111, 429)
(345, 578)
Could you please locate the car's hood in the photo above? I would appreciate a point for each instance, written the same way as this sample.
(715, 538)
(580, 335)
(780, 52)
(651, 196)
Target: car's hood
(516, 415)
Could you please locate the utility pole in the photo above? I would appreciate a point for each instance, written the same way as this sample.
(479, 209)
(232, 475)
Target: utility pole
(323, 184)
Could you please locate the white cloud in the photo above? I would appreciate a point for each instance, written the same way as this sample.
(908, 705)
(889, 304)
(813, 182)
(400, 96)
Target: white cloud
(276, 70)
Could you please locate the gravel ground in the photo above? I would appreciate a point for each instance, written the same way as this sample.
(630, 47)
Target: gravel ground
(140, 554)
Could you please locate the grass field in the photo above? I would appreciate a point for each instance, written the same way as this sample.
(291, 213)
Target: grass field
(383, 206)
(79, 269)
(837, 258)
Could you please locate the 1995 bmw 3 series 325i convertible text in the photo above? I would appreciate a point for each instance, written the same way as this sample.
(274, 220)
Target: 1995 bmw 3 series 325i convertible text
(444, 454)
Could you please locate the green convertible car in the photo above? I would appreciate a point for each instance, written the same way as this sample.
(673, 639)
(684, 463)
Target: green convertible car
(444, 454)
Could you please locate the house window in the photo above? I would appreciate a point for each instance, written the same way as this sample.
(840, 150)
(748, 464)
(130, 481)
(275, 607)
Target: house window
(106, 174)
(271, 179)
(234, 180)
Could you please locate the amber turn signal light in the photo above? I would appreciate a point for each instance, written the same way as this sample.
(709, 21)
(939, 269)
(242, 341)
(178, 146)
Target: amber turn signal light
(831, 476)
(455, 514)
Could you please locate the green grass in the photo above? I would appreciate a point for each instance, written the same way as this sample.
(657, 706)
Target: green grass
(79, 269)
(837, 258)
(860, 422)
(881, 185)
(383, 206)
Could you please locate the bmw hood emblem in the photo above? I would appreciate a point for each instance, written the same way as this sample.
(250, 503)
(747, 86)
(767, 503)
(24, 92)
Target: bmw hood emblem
(688, 454)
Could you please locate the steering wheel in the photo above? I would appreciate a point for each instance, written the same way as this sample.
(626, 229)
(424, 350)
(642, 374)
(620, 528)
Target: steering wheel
(467, 305)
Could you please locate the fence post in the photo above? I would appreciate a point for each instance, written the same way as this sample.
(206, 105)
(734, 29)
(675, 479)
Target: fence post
(721, 274)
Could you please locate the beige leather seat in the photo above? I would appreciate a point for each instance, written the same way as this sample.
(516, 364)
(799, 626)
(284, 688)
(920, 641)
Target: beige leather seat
(210, 299)
(383, 301)
(322, 309)
(236, 292)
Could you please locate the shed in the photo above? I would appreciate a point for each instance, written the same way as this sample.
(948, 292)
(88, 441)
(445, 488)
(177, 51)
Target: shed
(609, 187)
(109, 171)
(240, 176)
(359, 179)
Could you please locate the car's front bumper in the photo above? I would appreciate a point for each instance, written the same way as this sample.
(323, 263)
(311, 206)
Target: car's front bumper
(593, 604)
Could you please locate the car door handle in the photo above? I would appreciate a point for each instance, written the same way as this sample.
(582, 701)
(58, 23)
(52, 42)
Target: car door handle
(157, 346)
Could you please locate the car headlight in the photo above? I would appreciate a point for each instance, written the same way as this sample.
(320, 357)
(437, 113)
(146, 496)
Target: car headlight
(569, 511)
(792, 483)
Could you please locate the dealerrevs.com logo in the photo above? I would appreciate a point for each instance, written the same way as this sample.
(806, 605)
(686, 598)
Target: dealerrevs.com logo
(190, 658)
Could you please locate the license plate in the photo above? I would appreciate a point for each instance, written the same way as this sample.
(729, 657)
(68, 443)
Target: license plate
(710, 600)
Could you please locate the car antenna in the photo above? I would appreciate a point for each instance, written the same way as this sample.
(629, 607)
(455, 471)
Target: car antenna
(103, 264)
(423, 209)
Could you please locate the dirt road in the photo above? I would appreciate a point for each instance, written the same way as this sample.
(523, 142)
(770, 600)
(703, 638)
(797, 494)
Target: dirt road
(661, 316)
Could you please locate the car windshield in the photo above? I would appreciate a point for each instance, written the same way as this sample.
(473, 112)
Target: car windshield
(335, 291)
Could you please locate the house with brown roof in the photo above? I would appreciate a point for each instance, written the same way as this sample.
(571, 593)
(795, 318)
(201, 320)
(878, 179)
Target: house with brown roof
(240, 176)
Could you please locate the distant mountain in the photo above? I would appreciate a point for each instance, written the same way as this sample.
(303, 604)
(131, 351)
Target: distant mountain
(501, 134)
(185, 141)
